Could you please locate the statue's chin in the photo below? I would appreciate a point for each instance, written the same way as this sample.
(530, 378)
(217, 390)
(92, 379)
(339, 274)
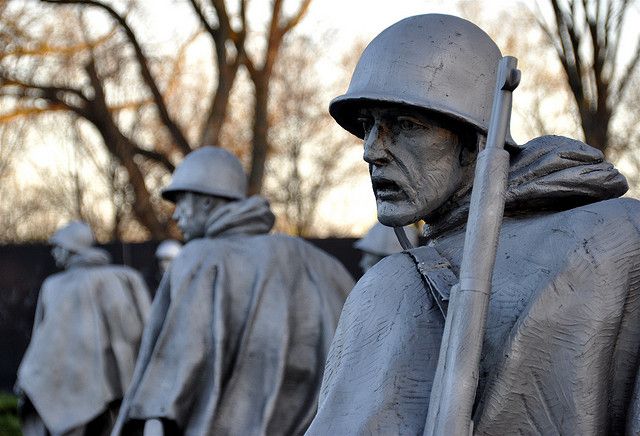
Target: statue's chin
(393, 215)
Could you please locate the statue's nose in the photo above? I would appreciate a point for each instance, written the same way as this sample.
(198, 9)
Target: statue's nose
(375, 145)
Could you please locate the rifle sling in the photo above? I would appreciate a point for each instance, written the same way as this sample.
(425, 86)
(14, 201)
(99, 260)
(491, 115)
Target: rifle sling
(436, 274)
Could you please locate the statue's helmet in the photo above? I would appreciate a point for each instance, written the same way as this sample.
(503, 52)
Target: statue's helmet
(382, 240)
(75, 237)
(438, 63)
(208, 170)
(168, 249)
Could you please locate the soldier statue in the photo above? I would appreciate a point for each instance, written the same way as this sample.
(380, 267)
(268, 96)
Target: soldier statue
(87, 330)
(241, 323)
(165, 253)
(561, 347)
(381, 241)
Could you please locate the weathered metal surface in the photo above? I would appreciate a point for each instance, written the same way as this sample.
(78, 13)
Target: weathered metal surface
(436, 62)
(85, 339)
(240, 327)
(562, 344)
(209, 170)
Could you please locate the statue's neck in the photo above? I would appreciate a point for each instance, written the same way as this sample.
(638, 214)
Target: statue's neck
(450, 215)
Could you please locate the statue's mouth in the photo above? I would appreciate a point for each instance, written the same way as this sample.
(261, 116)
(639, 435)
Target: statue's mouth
(387, 189)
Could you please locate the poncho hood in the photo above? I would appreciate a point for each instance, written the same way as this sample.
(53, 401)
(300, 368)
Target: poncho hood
(252, 216)
(90, 256)
(549, 173)
(239, 331)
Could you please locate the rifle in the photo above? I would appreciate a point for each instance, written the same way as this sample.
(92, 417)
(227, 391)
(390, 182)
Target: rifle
(456, 380)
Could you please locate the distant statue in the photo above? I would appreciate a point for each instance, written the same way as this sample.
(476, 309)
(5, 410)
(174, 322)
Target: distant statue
(560, 350)
(165, 253)
(381, 241)
(87, 330)
(242, 321)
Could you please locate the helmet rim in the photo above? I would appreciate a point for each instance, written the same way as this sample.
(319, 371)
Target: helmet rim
(208, 170)
(433, 62)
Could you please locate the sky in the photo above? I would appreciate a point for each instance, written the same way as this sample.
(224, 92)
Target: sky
(352, 207)
(347, 20)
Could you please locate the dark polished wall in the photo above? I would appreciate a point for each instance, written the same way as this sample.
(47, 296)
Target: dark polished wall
(23, 268)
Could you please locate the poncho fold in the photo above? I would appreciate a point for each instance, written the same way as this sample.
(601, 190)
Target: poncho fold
(562, 344)
(87, 330)
(239, 330)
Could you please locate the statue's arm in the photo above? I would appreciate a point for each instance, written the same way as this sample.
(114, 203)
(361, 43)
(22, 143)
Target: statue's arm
(39, 316)
(150, 334)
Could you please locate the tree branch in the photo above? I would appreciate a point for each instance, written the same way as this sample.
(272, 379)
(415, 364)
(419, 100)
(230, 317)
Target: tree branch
(214, 32)
(295, 19)
(29, 111)
(569, 56)
(10, 81)
(155, 156)
(143, 63)
(49, 93)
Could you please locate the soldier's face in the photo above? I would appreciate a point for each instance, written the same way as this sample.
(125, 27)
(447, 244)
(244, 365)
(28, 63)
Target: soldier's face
(191, 213)
(414, 163)
(60, 255)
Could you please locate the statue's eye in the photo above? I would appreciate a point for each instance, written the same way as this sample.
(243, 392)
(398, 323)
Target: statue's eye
(366, 123)
(409, 123)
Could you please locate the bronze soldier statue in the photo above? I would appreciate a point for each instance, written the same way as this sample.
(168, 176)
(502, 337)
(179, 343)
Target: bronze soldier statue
(242, 321)
(86, 333)
(562, 343)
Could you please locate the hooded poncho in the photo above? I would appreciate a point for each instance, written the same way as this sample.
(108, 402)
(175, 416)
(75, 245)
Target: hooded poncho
(87, 330)
(562, 342)
(239, 331)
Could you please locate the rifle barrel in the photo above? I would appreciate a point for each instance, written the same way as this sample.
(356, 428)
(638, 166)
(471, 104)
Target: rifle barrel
(456, 379)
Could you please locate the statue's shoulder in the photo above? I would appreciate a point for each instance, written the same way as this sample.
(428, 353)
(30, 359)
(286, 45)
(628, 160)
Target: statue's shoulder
(622, 205)
(53, 280)
(388, 275)
(124, 270)
(602, 229)
(222, 250)
(618, 214)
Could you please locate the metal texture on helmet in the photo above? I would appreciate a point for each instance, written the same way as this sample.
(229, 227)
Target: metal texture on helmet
(440, 63)
(168, 249)
(208, 170)
(75, 236)
(382, 241)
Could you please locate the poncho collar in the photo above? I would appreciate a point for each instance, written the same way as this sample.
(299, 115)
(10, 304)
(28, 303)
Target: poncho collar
(90, 256)
(549, 173)
(250, 216)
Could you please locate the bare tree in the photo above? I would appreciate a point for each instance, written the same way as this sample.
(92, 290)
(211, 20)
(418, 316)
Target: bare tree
(587, 37)
(260, 73)
(129, 96)
(309, 149)
(260, 66)
(74, 77)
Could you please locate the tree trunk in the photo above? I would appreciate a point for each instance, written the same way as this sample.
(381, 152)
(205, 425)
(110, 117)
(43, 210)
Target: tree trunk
(260, 136)
(218, 110)
(122, 148)
(596, 135)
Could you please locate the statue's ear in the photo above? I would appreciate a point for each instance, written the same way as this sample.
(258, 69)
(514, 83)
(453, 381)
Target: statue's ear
(470, 148)
(208, 202)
